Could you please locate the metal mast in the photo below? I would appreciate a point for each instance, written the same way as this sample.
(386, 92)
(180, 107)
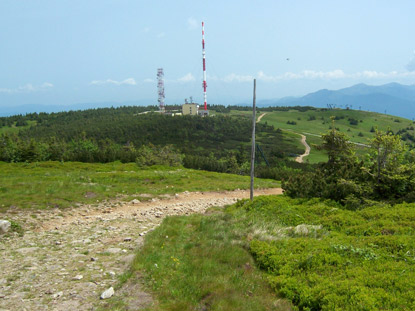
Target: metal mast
(204, 64)
(160, 88)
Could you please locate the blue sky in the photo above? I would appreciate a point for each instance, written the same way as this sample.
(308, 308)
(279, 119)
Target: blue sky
(68, 52)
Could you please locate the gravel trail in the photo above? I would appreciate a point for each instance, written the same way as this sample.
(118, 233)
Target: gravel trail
(260, 117)
(67, 258)
(299, 159)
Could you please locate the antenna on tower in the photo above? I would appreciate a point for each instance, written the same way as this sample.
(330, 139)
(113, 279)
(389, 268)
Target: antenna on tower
(160, 88)
(204, 67)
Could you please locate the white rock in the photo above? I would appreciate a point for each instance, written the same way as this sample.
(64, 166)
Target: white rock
(78, 277)
(107, 293)
(114, 250)
(135, 201)
(4, 226)
(57, 295)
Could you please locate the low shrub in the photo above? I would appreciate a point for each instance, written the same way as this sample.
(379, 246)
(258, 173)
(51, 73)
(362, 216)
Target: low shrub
(362, 260)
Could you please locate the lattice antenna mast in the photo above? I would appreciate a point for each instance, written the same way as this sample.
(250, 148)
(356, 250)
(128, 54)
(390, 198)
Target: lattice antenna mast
(160, 88)
(204, 64)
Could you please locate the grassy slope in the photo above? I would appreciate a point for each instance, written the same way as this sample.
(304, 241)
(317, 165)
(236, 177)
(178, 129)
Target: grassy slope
(358, 260)
(50, 184)
(322, 122)
(15, 129)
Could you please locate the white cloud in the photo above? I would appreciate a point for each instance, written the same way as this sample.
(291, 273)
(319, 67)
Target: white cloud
(309, 74)
(303, 75)
(5, 90)
(148, 80)
(238, 78)
(46, 85)
(27, 88)
(129, 81)
(262, 76)
(161, 35)
(187, 78)
(212, 78)
(372, 74)
(335, 74)
(411, 65)
(192, 23)
(314, 75)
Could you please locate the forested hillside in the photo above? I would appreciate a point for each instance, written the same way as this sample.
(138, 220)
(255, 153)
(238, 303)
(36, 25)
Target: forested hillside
(219, 143)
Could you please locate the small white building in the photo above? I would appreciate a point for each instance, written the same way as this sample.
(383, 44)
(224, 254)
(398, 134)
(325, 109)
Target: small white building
(190, 109)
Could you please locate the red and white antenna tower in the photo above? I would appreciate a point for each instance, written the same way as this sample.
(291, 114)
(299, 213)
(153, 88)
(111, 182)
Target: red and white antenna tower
(204, 64)
(160, 88)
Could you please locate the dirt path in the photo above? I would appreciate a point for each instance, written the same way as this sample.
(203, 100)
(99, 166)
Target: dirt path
(299, 159)
(260, 117)
(66, 259)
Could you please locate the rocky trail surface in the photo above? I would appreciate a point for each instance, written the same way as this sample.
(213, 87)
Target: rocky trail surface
(67, 258)
(299, 159)
(260, 117)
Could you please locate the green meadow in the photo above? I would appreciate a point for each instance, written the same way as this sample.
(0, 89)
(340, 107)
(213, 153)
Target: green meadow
(62, 184)
(357, 125)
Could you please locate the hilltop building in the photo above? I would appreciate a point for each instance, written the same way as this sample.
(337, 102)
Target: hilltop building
(190, 109)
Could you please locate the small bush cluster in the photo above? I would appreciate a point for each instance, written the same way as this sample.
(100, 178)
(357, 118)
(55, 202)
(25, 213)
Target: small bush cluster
(151, 155)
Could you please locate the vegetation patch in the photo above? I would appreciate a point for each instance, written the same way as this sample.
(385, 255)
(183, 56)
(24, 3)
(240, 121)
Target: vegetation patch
(196, 263)
(362, 260)
(314, 253)
(63, 184)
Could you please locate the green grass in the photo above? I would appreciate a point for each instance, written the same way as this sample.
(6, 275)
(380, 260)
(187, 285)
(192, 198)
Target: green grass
(313, 128)
(294, 139)
(15, 129)
(342, 260)
(322, 122)
(55, 184)
(196, 263)
(315, 156)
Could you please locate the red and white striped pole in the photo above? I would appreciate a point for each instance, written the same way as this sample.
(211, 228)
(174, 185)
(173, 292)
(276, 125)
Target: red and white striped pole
(204, 64)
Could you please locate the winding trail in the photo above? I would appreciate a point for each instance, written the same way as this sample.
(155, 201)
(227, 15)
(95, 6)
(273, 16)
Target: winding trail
(260, 117)
(67, 258)
(299, 159)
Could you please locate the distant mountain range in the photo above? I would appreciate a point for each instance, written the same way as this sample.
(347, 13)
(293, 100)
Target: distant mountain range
(393, 98)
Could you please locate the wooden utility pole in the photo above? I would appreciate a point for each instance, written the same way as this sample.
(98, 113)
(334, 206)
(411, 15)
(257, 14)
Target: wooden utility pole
(253, 144)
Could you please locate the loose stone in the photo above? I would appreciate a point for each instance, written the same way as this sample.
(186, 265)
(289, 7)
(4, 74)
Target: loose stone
(107, 293)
